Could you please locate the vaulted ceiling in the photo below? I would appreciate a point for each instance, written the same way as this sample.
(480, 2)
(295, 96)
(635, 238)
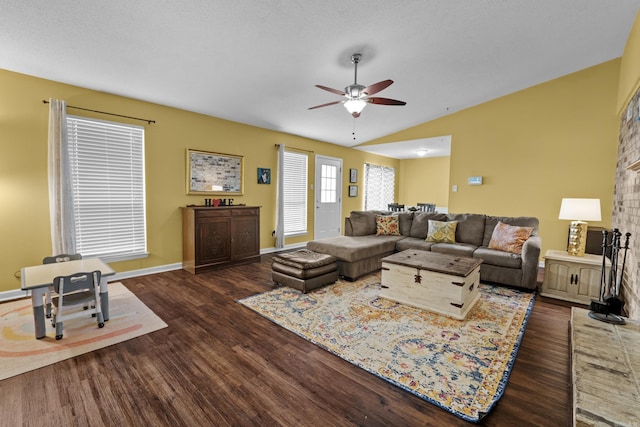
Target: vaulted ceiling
(257, 61)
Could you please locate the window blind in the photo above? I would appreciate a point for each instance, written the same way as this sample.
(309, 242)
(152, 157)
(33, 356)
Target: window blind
(295, 193)
(108, 185)
(379, 186)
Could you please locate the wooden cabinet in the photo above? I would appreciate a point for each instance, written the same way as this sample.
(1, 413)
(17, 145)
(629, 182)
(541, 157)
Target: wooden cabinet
(218, 237)
(573, 278)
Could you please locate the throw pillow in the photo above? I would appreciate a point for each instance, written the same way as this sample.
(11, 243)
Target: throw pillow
(442, 232)
(509, 238)
(387, 225)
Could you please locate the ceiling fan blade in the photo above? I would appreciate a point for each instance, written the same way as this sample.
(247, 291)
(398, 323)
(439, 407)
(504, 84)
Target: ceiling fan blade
(325, 105)
(377, 87)
(385, 101)
(328, 89)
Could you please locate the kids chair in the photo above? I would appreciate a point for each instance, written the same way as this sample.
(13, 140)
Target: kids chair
(51, 260)
(77, 290)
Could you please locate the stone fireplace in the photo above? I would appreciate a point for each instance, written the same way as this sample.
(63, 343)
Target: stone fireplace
(626, 203)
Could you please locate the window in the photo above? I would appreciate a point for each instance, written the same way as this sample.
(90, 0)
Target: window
(379, 184)
(329, 185)
(295, 193)
(107, 173)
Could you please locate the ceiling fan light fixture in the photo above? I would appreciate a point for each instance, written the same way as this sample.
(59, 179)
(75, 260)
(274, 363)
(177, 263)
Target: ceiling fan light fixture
(359, 96)
(355, 105)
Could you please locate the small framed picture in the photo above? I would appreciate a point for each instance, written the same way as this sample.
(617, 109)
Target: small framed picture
(353, 175)
(264, 176)
(353, 191)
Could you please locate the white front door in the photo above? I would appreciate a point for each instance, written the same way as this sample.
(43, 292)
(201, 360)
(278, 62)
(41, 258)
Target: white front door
(328, 196)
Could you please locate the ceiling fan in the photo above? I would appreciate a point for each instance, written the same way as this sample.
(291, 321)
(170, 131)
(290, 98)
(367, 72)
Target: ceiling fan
(359, 96)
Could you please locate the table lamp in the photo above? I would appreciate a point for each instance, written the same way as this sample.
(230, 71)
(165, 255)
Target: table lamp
(579, 211)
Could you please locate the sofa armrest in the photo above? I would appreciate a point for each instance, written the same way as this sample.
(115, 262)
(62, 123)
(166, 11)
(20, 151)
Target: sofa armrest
(348, 228)
(530, 261)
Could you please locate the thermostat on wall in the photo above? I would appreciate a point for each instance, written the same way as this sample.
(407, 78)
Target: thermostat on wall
(475, 180)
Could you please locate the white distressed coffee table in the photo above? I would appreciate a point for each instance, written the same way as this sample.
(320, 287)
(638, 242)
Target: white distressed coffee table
(445, 284)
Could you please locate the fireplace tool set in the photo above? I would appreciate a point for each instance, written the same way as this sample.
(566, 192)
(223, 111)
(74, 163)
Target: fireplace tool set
(609, 307)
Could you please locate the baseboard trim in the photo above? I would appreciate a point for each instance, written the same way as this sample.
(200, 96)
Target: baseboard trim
(13, 294)
(145, 271)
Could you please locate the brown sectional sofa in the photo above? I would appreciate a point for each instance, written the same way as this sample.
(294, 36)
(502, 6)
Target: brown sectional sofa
(360, 251)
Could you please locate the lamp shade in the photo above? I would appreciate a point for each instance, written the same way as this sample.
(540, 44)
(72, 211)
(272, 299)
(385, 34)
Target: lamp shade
(580, 210)
(355, 105)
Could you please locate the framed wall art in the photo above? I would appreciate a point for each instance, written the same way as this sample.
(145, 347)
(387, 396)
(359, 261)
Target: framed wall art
(353, 175)
(264, 176)
(214, 173)
(353, 191)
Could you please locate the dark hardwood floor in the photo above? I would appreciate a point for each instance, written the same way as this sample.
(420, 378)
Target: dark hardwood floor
(220, 364)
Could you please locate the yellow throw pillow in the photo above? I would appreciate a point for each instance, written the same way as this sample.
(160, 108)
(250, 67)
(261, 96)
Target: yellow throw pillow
(387, 225)
(442, 232)
(509, 238)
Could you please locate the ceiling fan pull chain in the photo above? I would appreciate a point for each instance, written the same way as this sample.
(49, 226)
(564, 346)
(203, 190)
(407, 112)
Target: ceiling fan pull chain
(354, 129)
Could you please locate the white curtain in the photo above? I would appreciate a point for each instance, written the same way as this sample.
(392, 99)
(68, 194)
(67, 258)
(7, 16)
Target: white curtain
(379, 183)
(60, 195)
(280, 200)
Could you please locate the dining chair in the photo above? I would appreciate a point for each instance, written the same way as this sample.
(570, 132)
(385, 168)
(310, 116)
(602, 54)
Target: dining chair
(395, 207)
(426, 207)
(52, 260)
(76, 290)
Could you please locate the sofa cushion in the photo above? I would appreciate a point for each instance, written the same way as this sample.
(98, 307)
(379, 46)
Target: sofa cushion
(387, 225)
(509, 238)
(363, 223)
(413, 243)
(459, 249)
(420, 224)
(405, 219)
(499, 258)
(442, 231)
(354, 248)
(520, 221)
(470, 228)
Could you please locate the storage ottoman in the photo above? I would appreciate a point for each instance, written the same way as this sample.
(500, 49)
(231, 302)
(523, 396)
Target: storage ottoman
(304, 270)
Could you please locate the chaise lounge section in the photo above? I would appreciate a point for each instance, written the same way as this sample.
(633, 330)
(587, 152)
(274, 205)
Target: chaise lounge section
(361, 249)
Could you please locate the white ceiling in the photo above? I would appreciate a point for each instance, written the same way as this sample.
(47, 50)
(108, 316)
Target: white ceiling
(257, 61)
(439, 146)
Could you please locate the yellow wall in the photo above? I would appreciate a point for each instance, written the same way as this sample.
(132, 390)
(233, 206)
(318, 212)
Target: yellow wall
(424, 181)
(24, 207)
(534, 147)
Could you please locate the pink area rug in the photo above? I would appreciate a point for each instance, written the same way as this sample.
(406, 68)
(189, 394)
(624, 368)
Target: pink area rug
(20, 352)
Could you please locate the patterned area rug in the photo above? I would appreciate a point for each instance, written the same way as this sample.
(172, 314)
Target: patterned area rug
(20, 352)
(460, 365)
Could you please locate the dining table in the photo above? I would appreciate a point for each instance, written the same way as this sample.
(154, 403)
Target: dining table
(39, 278)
